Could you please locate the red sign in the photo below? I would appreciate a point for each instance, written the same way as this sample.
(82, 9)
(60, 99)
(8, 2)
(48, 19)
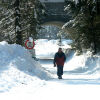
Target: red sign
(28, 46)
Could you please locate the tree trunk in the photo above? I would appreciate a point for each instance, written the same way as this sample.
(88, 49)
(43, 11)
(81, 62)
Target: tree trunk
(98, 7)
(94, 36)
(17, 23)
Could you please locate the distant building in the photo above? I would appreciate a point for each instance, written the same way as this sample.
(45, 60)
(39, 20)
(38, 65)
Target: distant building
(52, 1)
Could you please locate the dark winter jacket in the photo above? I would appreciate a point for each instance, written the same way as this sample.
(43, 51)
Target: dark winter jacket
(59, 59)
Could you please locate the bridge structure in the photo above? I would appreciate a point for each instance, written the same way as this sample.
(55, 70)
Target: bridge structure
(55, 13)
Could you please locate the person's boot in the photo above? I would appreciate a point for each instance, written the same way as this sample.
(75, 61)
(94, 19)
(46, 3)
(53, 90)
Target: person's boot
(59, 77)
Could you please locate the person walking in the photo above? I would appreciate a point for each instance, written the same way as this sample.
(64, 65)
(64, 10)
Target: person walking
(59, 60)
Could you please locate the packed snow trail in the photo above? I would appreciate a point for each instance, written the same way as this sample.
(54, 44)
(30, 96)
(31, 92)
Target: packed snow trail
(76, 67)
(69, 76)
(53, 91)
(23, 78)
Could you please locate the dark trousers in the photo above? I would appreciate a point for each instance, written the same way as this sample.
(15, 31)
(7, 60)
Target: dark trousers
(59, 70)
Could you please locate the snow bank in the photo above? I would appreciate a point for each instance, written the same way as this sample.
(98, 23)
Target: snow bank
(20, 57)
(17, 67)
(83, 66)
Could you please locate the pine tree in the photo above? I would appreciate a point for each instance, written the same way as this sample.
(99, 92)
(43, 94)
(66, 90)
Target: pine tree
(7, 21)
(18, 22)
(19, 19)
(83, 27)
(30, 17)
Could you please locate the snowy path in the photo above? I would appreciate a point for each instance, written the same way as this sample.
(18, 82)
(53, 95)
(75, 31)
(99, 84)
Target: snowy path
(69, 77)
(63, 91)
(68, 88)
(22, 78)
(54, 90)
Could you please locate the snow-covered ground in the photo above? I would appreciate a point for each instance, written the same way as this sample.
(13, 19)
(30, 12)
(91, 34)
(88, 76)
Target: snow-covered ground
(46, 48)
(23, 78)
